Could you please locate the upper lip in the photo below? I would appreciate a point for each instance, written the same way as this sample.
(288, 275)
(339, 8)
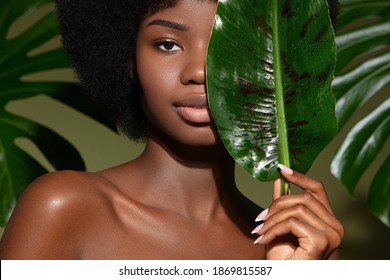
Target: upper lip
(193, 100)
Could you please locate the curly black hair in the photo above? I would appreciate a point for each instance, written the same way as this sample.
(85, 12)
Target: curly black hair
(100, 36)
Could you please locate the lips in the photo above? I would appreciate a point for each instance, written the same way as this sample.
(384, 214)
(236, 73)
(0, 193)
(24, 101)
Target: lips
(193, 101)
(193, 108)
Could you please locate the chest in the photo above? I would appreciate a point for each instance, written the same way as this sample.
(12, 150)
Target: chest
(170, 238)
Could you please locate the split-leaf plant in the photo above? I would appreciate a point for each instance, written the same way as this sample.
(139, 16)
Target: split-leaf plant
(362, 71)
(20, 56)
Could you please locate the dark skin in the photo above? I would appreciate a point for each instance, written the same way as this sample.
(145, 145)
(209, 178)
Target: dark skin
(178, 200)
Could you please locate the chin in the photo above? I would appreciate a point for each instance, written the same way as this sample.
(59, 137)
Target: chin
(187, 135)
(201, 136)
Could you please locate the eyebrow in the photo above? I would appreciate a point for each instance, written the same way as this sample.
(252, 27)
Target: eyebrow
(170, 24)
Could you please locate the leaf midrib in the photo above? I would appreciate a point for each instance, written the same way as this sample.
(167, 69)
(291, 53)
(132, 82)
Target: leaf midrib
(284, 157)
(280, 111)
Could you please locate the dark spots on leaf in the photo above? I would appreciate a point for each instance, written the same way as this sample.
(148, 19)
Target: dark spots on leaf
(286, 9)
(320, 34)
(296, 77)
(259, 125)
(306, 26)
(249, 88)
(289, 95)
(297, 151)
(291, 72)
(268, 66)
(262, 24)
(249, 107)
(265, 136)
(267, 63)
(255, 125)
(314, 114)
(255, 3)
(291, 135)
(297, 124)
(322, 76)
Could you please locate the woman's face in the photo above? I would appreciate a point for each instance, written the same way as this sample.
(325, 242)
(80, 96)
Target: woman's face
(170, 61)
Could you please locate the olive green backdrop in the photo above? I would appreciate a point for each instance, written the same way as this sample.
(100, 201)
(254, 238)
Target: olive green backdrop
(365, 236)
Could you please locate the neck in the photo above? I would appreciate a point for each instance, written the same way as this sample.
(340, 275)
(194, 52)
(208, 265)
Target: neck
(200, 178)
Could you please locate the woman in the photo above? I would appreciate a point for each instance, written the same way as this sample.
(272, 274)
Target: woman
(178, 199)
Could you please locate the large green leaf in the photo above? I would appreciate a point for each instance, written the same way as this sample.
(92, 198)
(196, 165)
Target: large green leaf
(18, 168)
(363, 70)
(379, 195)
(362, 144)
(269, 70)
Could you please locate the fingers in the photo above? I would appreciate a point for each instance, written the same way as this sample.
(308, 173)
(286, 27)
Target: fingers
(303, 206)
(306, 217)
(316, 238)
(307, 184)
(276, 190)
(313, 243)
(280, 212)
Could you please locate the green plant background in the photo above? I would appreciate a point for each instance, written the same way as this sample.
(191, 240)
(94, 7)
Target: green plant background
(366, 237)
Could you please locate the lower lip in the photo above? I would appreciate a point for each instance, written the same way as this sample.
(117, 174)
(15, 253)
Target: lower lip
(194, 115)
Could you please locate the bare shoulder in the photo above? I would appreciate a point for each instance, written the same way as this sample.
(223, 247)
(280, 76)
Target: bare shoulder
(50, 215)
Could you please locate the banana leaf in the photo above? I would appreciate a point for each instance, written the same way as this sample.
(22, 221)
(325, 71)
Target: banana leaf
(269, 70)
(17, 60)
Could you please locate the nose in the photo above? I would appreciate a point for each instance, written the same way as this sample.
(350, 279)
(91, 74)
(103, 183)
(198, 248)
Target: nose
(194, 71)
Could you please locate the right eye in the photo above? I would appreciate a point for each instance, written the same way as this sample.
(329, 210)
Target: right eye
(168, 46)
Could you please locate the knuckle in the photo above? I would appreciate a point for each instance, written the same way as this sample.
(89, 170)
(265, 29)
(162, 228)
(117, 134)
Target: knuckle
(335, 240)
(320, 242)
(301, 209)
(318, 186)
(292, 221)
(340, 230)
(307, 196)
(323, 244)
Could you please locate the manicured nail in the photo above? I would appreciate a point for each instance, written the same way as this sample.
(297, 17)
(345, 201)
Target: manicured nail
(286, 169)
(257, 229)
(262, 215)
(258, 239)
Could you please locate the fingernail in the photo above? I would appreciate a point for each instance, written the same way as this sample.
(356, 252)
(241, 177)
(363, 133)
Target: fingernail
(262, 215)
(285, 169)
(257, 229)
(258, 239)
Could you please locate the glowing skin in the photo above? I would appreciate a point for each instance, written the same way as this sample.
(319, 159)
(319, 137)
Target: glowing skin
(170, 62)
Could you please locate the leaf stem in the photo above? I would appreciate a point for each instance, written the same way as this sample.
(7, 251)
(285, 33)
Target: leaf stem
(284, 154)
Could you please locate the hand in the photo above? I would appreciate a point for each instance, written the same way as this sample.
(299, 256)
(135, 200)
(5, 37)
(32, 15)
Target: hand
(299, 226)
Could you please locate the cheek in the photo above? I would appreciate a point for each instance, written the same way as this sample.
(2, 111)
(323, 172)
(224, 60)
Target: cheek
(157, 80)
(154, 88)
(156, 70)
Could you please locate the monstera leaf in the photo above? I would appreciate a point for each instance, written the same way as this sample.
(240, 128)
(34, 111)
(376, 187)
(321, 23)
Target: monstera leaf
(363, 69)
(269, 71)
(18, 59)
